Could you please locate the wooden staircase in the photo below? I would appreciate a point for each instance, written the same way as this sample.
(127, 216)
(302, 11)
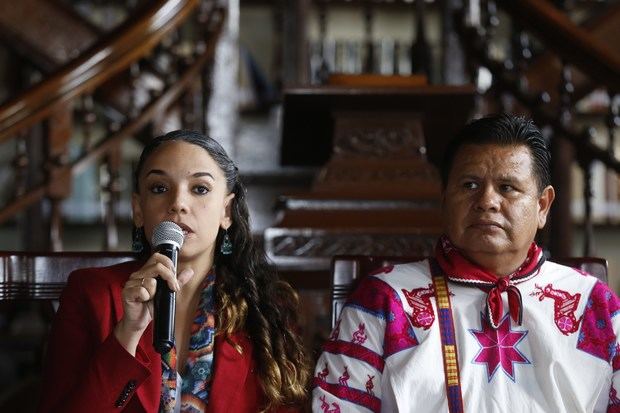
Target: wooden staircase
(48, 34)
(575, 60)
(126, 83)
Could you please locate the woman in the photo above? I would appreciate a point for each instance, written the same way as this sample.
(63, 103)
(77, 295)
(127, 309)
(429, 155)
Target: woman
(101, 356)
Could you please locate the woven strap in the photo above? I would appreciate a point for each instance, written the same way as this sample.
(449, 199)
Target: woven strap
(448, 340)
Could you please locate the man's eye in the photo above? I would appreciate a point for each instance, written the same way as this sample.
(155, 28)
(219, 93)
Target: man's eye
(157, 189)
(201, 190)
(470, 185)
(507, 188)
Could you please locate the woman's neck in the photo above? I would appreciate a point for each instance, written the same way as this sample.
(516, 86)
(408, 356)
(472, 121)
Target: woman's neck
(201, 268)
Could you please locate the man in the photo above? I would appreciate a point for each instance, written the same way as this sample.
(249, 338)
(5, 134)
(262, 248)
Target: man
(486, 325)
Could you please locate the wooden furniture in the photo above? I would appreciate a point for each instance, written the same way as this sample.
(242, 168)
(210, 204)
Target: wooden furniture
(308, 115)
(42, 276)
(29, 283)
(376, 80)
(348, 270)
(378, 191)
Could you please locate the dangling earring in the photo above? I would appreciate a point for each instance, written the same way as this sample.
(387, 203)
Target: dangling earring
(137, 239)
(227, 247)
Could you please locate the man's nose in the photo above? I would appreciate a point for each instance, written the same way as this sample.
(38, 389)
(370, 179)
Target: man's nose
(488, 199)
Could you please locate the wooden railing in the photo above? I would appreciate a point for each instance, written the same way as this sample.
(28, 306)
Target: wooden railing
(124, 83)
(553, 106)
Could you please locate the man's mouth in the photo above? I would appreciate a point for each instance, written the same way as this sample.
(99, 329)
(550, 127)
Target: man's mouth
(486, 224)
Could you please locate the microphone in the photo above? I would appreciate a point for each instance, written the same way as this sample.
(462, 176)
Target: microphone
(167, 240)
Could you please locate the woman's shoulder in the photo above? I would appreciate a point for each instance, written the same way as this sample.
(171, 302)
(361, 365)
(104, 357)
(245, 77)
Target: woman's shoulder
(95, 279)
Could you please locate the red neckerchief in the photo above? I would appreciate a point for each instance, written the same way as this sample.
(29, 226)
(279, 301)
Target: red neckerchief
(460, 270)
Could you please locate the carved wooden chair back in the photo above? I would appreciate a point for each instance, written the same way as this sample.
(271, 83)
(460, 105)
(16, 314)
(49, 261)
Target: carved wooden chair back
(30, 286)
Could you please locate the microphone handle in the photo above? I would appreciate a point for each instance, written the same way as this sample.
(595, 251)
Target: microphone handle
(164, 306)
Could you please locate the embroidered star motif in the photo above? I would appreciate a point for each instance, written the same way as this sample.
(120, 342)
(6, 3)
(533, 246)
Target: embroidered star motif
(499, 347)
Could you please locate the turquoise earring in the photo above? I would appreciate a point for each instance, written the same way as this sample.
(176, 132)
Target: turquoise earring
(137, 239)
(227, 247)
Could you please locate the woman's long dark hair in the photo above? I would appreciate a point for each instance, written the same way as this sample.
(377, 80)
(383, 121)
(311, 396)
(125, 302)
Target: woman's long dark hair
(249, 295)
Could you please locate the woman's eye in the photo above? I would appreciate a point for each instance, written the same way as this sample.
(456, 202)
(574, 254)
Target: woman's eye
(201, 190)
(157, 188)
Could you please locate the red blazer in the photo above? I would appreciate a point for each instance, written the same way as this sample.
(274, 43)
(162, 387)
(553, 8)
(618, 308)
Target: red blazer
(87, 370)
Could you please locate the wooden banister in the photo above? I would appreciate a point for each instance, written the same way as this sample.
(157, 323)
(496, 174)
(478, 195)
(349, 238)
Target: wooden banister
(572, 43)
(105, 59)
(35, 194)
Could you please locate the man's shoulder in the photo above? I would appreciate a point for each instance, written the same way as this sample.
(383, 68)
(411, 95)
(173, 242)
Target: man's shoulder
(559, 273)
(403, 275)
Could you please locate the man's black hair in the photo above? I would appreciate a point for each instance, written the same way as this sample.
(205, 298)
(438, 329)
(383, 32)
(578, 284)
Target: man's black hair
(502, 129)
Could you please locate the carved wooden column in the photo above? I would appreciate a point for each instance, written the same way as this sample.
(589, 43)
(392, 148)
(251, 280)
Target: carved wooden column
(562, 157)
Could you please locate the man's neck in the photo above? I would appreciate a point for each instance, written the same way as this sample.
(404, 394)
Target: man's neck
(501, 265)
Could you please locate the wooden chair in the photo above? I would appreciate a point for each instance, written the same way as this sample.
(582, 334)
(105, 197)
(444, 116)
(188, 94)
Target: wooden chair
(42, 276)
(32, 283)
(347, 270)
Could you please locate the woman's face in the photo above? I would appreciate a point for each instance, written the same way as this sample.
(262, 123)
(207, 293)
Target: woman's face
(180, 182)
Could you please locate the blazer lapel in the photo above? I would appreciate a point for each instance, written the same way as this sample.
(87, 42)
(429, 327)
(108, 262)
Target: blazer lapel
(231, 371)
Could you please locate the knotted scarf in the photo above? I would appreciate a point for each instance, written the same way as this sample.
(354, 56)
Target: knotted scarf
(460, 270)
(196, 380)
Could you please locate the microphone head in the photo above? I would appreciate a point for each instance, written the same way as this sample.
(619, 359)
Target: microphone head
(167, 232)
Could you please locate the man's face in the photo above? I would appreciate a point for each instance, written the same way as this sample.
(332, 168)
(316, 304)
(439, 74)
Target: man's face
(492, 206)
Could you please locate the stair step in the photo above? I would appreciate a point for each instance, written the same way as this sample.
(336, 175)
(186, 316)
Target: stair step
(45, 32)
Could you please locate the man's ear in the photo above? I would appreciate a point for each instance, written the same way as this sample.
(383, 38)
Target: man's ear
(544, 205)
(226, 220)
(136, 209)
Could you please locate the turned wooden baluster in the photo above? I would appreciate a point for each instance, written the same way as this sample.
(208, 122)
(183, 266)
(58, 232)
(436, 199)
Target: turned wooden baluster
(586, 166)
(368, 65)
(174, 51)
(562, 154)
(420, 49)
(111, 187)
(88, 116)
(59, 177)
(613, 122)
(521, 48)
(202, 25)
(322, 73)
(20, 164)
(396, 58)
(490, 21)
(134, 72)
(468, 16)
(483, 17)
(191, 103)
